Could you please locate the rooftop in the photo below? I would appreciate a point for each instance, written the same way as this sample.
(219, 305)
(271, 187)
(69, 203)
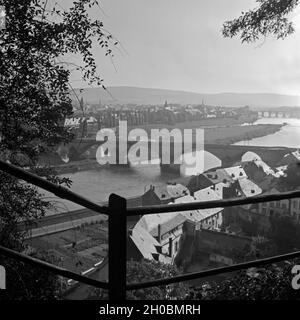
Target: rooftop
(236, 172)
(218, 175)
(147, 244)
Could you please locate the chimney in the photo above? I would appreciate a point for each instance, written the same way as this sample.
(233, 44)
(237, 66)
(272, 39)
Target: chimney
(158, 249)
(159, 233)
(170, 247)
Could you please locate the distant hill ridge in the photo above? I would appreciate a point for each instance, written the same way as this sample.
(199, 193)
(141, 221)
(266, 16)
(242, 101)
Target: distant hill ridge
(136, 95)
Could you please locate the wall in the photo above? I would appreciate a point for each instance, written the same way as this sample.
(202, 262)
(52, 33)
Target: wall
(219, 242)
(175, 235)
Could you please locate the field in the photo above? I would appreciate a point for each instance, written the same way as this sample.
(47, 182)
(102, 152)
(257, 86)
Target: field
(232, 134)
(224, 131)
(77, 249)
(203, 123)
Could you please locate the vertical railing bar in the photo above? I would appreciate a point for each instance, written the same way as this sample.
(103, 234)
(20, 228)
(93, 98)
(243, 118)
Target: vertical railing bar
(117, 237)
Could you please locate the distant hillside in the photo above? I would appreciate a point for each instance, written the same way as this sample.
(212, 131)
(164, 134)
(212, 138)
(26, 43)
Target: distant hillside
(137, 95)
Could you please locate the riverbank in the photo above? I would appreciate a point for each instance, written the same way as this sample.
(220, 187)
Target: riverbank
(202, 123)
(233, 134)
(76, 166)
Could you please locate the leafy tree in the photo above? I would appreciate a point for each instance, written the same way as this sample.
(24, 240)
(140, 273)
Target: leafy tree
(25, 282)
(146, 270)
(273, 282)
(285, 233)
(270, 283)
(291, 179)
(34, 101)
(250, 228)
(269, 18)
(152, 270)
(34, 79)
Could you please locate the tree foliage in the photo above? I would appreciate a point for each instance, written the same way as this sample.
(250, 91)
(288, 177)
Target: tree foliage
(34, 78)
(25, 282)
(35, 99)
(291, 179)
(146, 270)
(269, 18)
(273, 282)
(285, 233)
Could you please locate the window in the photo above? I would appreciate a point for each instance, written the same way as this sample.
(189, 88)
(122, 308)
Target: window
(295, 204)
(278, 204)
(283, 205)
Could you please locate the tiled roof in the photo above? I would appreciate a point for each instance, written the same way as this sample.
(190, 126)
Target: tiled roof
(208, 194)
(201, 195)
(198, 181)
(143, 240)
(236, 172)
(218, 175)
(151, 221)
(296, 154)
(249, 188)
(134, 202)
(170, 191)
(167, 226)
(256, 159)
(147, 244)
(177, 190)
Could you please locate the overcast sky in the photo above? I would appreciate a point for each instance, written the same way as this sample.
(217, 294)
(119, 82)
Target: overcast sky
(176, 44)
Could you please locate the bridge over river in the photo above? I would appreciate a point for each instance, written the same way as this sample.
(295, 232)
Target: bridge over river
(278, 114)
(228, 154)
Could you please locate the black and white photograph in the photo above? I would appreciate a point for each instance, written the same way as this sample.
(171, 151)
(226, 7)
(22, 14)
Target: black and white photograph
(149, 151)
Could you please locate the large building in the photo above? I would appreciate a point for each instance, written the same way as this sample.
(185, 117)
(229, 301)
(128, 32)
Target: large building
(289, 207)
(166, 229)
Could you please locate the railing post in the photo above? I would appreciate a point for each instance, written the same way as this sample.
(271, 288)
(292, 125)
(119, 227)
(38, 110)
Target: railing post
(117, 236)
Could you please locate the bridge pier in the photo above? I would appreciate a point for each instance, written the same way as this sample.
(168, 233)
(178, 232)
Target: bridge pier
(170, 168)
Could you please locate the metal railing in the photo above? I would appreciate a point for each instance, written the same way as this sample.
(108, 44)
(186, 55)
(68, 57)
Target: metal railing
(117, 227)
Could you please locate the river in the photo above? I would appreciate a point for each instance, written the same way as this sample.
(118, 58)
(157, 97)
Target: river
(288, 136)
(98, 184)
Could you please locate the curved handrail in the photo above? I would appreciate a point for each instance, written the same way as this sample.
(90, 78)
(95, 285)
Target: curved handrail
(211, 272)
(52, 268)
